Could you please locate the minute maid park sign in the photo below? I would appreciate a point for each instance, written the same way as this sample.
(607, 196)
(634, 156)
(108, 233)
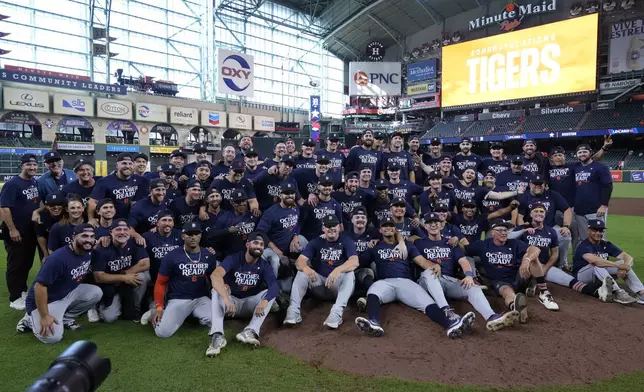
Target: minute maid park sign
(513, 14)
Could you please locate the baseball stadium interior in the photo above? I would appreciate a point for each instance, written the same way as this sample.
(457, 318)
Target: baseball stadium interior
(302, 84)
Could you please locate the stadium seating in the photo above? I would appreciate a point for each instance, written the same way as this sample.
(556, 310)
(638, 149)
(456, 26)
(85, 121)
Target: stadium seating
(10, 142)
(446, 128)
(34, 143)
(634, 160)
(623, 116)
(554, 122)
(612, 157)
(493, 127)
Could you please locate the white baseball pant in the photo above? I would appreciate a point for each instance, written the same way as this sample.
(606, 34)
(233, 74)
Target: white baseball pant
(401, 289)
(453, 289)
(244, 308)
(589, 272)
(177, 311)
(341, 291)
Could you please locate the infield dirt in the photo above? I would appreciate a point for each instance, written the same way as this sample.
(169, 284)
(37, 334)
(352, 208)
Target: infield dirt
(626, 206)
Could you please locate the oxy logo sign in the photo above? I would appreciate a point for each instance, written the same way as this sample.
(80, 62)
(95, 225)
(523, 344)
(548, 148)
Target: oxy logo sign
(76, 104)
(235, 73)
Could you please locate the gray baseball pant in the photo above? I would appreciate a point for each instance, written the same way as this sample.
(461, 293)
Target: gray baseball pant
(564, 246)
(589, 272)
(581, 228)
(112, 312)
(401, 289)
(453, 289)
(341, 291)
(244, 308)
(78, 301)
(177, 311)
(272, 257)
(473, 261)
(432, 285)
(557, 276)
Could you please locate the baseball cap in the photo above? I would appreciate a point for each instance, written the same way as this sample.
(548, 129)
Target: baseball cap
(367, 131)
(83, 227)
(256, 235)
(212, 190)
(378, 135)
(352, 176)
(168, 168)
(496, 145)
(583, 147)
(205, 163)
(119, 223)
(399, 201)
(466, 139)
(157, 183)
(287, 187)
(238, 166)
(446, 158)
(102, 202)
(538, 205)
(414, 137)
(435, 175)
(538, 179)
(393, 166)
(490, 173)
(80, 162)
(51, 156)
(140, 155)
(163, 214)
(124, 156)
(193, 183)
(500, 223)
(468, 202)
(387, 221)
(432, 217)
(330, 221)
(529, 141)
(199, 147)
(436, 141)
(323, 159)
(25, 158)
(359, 211)
(178, 153)
(364, 166)
(397, 134)
(325, 179)
(382, 183)
(334, 136)
(288, 159)
(309, 143)
(251, 152)
(517, 159)
(191, 227)
(239, 194)
(441, 208)
(557, 150)
(55, 199)
(596, 224)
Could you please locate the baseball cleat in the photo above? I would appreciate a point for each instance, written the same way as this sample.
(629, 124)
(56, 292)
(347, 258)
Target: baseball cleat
(500, 321)
(248, 336)
(605, 292)
(94, 317)
(24, 325)
(640, 299)
(468, 321)
(333, 321)
(546, 300)
(460, 326)
(520, 302)
(622, 297)
(451, 314)
(145, 319)
(18, 304)
(292, 318)
(370, 327)
(523, 315)
(531, 290)
(361, 303)
(216, 344)
(74, 326)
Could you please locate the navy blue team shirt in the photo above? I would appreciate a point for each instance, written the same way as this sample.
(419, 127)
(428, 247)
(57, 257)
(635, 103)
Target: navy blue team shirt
(248, 279)
(326, 256)
(122, 192)
(552, 200)
(389, 261)
(441, 253)
(188, 273)
(501, 262)
(143, 215)
(60, 235)
(113, 260)
(590, 180)
(544, 239)
(21, 198)
(280, 225)
(360, 156)
(158, 246)
(603, 249)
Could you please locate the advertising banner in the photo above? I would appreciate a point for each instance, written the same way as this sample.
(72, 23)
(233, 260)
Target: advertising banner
(241, 121)
(111, 108)
(54, 81)
(26, 100)
(184, 116)
(74, 105)
(75, 122)
(637, 176)
(211, 118)
(558, 110)
(556, 58)
(626, 44)
(374, 79)
(264, 124)
(617, 86)
(501, 115)
(151, 112)
(314, 113)
(421, 88)
(75, 146)
(464, 118)
(236, 73)
(616, 175)
(421, 70)
(122, 148)
(162, 149)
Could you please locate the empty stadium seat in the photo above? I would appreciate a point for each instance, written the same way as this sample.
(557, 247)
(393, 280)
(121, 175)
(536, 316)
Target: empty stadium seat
(493, 127)
(553, 122)
(623, 116)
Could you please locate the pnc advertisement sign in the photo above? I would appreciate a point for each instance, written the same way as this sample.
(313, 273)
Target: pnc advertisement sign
(236, 73)
(374, 79)
(556, 58)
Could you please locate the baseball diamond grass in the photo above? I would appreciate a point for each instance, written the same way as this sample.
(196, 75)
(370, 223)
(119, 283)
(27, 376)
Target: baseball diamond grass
(626, 189)
(143, 362)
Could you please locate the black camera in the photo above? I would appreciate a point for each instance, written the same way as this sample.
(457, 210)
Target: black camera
(77, 369)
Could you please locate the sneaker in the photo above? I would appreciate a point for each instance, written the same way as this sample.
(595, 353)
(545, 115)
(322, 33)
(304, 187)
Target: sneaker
(292, 318)
(217, 342)
(145, 319)
(546, 300)
(248, 336)
(73, 326)
(520, 305)
(523, 315)
(622, 297)
(499, 321)
(451, 314)
(460, 326)
(93, 316)
(361, 303)
(531, 290)
(605, 292)
(18, 304)
(370, 327)
(24, 325)
(333, 321)
(640, 299)
(23, 295)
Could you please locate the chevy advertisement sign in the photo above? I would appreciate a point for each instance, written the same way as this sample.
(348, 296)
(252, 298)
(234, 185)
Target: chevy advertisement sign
(421, 70)
(375, 79)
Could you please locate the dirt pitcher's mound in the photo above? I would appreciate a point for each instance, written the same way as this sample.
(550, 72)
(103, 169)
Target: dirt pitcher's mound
(586, 341)
(626, 206)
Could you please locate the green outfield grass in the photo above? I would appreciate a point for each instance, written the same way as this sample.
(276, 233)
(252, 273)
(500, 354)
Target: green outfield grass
(143, 362)
(626, 189)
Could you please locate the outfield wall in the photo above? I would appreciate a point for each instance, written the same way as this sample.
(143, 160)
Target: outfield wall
(627, 175)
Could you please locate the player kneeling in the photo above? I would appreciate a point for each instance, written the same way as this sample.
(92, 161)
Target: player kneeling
(237, 292)
(184, 271)
(394, 271)
(436, 249)
(333, 258)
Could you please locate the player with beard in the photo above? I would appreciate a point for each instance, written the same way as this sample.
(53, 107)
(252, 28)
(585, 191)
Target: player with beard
(279, 150)
(267, 184)
(379, 207)
(253, 169)
(54, 206)
(62, 232)
(325, 268)
(281, 223)
(230, 232)
(105, 209)
(516, 177)
(336, 158)
(307, 179)
(221, 168)
(233, 180)
(121, 270)
(469, 189)
(435, 194)
(245, 144)
(143, 216)
(306, 160)
(365, 185)
(167, 173)
(394, 270)
(533, 162)
(178, 159)
(213, 211)
(186, 209)
(364, 155)
(189, 171)
(494, 208)
(498, 163)
(466, 158)
(594, 187)
(122, 186)
(84, 183)
(436, 250)
(57, 297)
(379, 141)
(326, 205)
(349, 198)
(239, 290)
(545, 238)
(407, 227)
(363, 238)
(399, 188)
(397, 156)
